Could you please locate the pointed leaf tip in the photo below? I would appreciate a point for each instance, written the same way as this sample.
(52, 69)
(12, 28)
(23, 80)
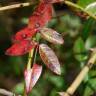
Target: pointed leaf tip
(36, 72)
(27, 76)
(32, 76)
(49, 58)
(20, 48)
(51, 36)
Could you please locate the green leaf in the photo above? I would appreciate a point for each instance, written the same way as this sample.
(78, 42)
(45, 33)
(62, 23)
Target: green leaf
(54, 80)
(84, 3)
(90, 88)
(19, 88)
(92, 73)
(90, 42)
(79, 49)
(81, 5)
(88, 25)
(16, 64)
(91, 8)
(53, 92)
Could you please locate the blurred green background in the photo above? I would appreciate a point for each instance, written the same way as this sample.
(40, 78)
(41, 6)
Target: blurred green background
(79, 36)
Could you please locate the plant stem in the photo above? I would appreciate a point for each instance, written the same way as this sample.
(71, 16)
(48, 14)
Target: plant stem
(78, 7)
(35, 54)
(28, 67)
(30, 3)
(16, 6)
(36, 48)
(30, 59)
(80, 77)
(24, 94)
(7, 93)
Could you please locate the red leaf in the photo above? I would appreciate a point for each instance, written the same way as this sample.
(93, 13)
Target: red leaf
(51, 1)
(27, 76)
(41, 16)
(24, 33)
(20, 48)
(32, 76)
(51, 36)
(40, 9)
(49, 58)
(35, 22)
(47, 14)
(36, 72)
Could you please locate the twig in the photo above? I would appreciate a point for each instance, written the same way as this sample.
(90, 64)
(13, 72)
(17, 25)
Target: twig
(7, 93)
(30, 3)
(16, 6)
(78, 7)
(70, 91)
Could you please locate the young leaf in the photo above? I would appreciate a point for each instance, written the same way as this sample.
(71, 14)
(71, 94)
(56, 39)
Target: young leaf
(24, 33)
(20, 48)
(41, 16)
(49, 58)
(51, 35)
(36, 72)
(41, 9)
(47, 14)
(27, 76)
(32, 76)
(35, 22)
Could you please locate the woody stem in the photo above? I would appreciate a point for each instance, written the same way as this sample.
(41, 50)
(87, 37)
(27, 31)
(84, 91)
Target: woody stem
(80, 77)
(69, 3)
(16, 6)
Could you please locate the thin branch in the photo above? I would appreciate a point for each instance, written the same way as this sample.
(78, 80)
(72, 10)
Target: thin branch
(16, 6)
(70, 91)
(7, 93)
(71, 4)
(30, 3)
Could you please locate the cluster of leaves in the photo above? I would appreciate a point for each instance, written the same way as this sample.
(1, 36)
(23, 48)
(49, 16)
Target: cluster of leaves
(84, 42)
(24, 42)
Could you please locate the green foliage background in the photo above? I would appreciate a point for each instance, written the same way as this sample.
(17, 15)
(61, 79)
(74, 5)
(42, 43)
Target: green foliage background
(79, 35)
